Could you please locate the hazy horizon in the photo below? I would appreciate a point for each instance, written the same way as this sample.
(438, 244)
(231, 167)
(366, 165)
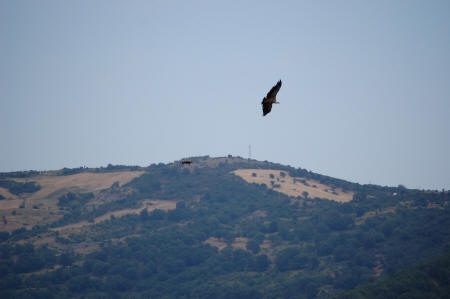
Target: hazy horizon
(365, 93)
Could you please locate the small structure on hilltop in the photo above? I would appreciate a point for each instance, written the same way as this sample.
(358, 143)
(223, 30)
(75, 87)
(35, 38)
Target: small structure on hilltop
(186, 162)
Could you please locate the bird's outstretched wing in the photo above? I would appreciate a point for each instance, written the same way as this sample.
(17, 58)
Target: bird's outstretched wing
(266, 105)
(274, 90)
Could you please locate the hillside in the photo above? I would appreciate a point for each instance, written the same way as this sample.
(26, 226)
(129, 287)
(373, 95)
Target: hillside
(40, 207)
(297, 187)
(429, 279)
(218, 228)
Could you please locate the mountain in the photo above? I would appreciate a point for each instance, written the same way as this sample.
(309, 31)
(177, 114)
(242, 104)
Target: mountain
(217, 228)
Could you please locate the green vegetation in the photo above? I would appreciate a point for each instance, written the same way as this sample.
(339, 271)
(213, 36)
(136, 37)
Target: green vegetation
(74, 201)
(17, 188)
(429, 279)
(293, 248)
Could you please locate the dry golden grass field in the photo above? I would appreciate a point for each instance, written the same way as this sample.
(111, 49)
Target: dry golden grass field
(6, 194)
(292, 186)
(27, 210)
(84, 182)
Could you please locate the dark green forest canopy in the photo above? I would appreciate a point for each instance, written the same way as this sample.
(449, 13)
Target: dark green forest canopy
(430, 279)
(17, 188)
(270, 245)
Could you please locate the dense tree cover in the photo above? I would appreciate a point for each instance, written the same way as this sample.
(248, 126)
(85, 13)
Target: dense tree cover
(74, 200)
(18, 259)
(19, 187)
(302, 248)
(430, 279)
(18, 174)
(109, 168)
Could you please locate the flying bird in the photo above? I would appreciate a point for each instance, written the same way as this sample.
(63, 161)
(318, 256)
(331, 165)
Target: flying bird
(271, 98)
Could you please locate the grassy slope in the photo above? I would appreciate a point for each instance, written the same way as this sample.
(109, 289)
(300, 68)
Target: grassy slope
(40, 208)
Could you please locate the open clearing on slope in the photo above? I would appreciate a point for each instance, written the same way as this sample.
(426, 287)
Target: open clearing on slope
(10, 204)
(84, 182)
(6, 194)
(292, 186)
(27, 210)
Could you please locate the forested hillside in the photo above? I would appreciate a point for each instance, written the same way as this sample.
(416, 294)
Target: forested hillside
(201, 231)
(430, 279)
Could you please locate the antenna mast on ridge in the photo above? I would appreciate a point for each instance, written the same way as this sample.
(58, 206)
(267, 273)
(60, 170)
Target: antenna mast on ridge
(249, 151)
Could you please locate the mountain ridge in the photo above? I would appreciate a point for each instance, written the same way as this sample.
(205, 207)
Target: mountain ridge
(221, 227)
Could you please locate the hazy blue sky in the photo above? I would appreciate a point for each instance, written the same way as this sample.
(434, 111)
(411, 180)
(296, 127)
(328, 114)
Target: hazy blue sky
(365, 96)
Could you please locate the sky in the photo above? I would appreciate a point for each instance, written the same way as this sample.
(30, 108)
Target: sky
(365, 95)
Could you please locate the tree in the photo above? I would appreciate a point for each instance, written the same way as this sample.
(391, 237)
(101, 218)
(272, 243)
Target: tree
(253, 246)
(157, 214)
(290, 259)
(273, 227)
(260, 263)
(4, 236)
(65, 259)
(143, 215)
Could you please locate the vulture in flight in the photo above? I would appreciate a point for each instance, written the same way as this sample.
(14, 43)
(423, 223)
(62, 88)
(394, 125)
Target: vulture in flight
(271, 98)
